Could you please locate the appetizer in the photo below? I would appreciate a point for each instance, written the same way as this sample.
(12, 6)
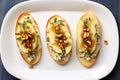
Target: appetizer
(88, 39)
(28, 39)
(59, 39)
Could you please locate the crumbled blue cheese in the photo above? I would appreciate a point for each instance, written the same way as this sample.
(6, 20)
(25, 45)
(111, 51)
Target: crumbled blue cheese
(80, 50)
(82, 55)
(57, 57)
(25, 19)
(31, 58)
(93, 55)
(49, 44)
(88, 58)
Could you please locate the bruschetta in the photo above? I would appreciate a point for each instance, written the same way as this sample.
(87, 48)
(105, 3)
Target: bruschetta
(88, 39)
(28, 39)
(59, 39)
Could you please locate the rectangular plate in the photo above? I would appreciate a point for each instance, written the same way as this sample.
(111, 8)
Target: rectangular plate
(46, 69)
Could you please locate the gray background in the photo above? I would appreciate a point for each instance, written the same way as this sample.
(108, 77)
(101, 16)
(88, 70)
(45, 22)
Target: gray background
(113, 5)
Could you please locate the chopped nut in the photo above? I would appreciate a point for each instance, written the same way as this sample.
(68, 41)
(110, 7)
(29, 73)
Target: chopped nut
(59, 35)
(33, 40)
(64, 44)
(28, 31)
(57, 32)
(23, 35)
(64, 37)
(89, 42)
(57, 28)
(63, 49)
(89, 48)
(27, 44)
(60, 41)
(86, 29)
(86, 34)
(61, 31)
(105, 42)
(61, 46)
(30, 66)
(85, 46)
(31, 35)
(89, 18)
(65, 41)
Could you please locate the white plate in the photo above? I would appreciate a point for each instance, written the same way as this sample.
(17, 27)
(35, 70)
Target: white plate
(46, 69)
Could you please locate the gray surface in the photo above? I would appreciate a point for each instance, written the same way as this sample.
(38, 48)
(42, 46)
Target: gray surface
(5, 5)
(113, 5)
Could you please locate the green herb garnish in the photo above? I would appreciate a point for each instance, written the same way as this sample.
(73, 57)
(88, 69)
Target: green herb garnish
(31, 53)
(48, 40)
(68, 37)
(27, 27)
(52, 49)
(36, 47)
(95, 35)
(61, 55)
(55, 20)
(24, 25)
(85, 21)
(60, 22)
(29, 21)
(17, 33)
(19, 23)
(96, 26)
(19, 39)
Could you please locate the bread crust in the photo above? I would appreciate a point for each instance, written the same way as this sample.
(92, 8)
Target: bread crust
(64, 60)
(83, 61)
(39, 51)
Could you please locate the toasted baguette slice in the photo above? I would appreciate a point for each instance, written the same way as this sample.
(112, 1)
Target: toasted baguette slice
(59, 39)
(88, 39)
(28, 39)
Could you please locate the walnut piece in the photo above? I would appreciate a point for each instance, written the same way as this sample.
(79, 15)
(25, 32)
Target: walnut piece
(105, 42)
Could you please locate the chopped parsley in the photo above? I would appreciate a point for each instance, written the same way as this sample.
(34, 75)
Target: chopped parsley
(48, 40)
(55, 20)
(19, 23)
(95, 35)
(17, 33)
(19, 39)
(85, 21)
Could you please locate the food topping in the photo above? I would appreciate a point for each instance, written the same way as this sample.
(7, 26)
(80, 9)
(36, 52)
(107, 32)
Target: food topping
(87, 42)
(59, 38)
(105, 42)
(27, 36)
